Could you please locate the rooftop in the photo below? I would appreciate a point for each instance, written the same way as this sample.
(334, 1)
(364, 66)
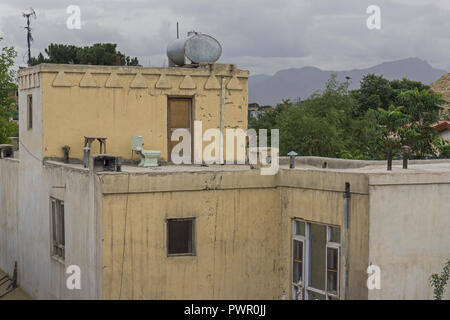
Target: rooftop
(302, 163)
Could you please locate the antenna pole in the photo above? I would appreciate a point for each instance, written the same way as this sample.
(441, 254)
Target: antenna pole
(29, 37)
(178, 32)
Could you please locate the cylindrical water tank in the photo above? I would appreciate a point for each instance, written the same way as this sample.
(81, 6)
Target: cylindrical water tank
(198, 48)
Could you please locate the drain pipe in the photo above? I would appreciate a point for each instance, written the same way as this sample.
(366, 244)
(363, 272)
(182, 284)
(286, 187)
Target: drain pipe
(222, 120)
(345, 237)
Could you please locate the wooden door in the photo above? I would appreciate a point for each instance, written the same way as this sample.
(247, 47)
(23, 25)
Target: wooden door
(179, 116)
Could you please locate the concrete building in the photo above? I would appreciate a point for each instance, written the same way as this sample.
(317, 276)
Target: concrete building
(196, 232)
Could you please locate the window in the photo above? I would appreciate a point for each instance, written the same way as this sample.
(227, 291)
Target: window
(315, 261)
(58, 236)
(30, 111)
(298, 253)
(180, 237)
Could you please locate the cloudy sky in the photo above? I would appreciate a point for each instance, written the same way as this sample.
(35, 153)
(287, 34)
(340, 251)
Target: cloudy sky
(259, 35)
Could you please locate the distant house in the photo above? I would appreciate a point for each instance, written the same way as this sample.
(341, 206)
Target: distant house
(443, 127)
(253, 110)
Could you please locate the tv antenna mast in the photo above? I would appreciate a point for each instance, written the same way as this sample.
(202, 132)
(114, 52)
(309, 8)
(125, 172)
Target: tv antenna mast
(29, 36)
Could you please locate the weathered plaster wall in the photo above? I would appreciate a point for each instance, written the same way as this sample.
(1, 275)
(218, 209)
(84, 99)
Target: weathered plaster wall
(243, 232)
(409, 232)
(118, 102)
(237, 227)
(41, 275)
(9, 207)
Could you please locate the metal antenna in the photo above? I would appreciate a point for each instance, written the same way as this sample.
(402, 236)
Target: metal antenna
(178, 32)
(29, 36)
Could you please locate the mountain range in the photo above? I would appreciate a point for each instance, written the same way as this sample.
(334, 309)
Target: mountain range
(300, 83)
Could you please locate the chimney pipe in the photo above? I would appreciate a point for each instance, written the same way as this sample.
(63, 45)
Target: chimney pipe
(292, 155)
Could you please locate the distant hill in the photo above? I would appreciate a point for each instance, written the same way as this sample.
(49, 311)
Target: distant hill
(301, 83)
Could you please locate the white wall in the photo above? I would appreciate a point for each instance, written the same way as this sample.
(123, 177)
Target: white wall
(39, 274)
(409, 235)
(9, 174)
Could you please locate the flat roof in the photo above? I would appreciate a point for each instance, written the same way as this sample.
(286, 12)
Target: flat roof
(302, 163)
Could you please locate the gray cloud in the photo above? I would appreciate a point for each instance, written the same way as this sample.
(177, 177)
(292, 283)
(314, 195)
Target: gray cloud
(262, 36)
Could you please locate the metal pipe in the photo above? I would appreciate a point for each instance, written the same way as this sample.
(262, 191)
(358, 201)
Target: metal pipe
(222, 120)
(66, 150)
(345, 240)
(87, 151)
(292, 155)
(119, 164)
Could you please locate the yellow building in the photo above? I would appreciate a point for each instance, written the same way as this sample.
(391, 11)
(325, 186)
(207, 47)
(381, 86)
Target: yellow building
(70, 102)
(196, 232)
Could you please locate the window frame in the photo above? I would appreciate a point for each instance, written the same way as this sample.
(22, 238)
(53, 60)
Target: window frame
(193, 237)
(337, 246)
(57, 230)
(299, 286)
(304, 284)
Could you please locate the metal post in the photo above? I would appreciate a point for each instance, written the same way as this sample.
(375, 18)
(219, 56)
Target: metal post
(405, 156)
(389, 160)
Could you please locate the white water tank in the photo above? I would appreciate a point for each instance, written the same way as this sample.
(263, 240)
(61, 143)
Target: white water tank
(197, 47)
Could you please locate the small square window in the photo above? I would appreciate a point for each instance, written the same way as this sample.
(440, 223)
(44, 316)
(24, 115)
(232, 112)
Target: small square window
(180, 237)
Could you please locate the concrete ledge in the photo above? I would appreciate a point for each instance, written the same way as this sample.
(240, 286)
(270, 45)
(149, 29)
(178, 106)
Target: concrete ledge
(185, 181)
(334, 163)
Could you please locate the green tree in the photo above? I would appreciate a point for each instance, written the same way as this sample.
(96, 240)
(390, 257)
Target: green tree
(366, 123)
(97, 54)
(423, 109)
(392, 122)
(8, 105)
(374, 92)
(317, 126)
(439, 282)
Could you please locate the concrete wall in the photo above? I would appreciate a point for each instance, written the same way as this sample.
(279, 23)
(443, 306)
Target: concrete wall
(118, 102)
(409, 232)
(9, 190)
(237, 234)
(39, 274)
(243, 232)
(43, 276)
